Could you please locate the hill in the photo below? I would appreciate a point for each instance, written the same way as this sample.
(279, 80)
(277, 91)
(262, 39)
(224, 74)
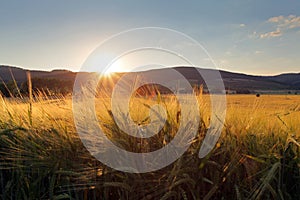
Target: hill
(19, 74)
(234, 82)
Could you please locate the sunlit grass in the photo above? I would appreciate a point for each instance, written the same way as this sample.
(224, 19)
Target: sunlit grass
(257, 156)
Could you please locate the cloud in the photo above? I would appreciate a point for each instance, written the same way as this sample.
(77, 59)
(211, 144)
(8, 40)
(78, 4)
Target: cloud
(271, 34)
(276, 19)
(242, 25)
(287, 22)
(282, 24)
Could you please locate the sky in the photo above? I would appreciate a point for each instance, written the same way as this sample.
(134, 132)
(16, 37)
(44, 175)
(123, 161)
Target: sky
(250, 36)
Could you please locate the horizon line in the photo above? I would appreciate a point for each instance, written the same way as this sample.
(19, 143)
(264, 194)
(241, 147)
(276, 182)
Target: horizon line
(177, 66)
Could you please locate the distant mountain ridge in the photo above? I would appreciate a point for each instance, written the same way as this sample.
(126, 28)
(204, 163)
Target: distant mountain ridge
(291, 79)
(240, 81)
(232, 81)
(19, 74)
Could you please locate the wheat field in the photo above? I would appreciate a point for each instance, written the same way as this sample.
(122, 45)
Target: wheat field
(256, 157)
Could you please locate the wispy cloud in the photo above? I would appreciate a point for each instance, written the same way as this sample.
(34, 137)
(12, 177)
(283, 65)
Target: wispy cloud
(287, 22)
(271, 34)
(276, 19)
(258, 52)
(282, 24)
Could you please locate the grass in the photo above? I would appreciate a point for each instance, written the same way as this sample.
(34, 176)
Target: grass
(257, 156)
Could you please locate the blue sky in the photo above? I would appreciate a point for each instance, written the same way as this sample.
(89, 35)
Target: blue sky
(255, 37)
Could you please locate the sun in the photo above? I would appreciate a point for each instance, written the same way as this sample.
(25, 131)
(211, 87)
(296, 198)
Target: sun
(116, 66)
